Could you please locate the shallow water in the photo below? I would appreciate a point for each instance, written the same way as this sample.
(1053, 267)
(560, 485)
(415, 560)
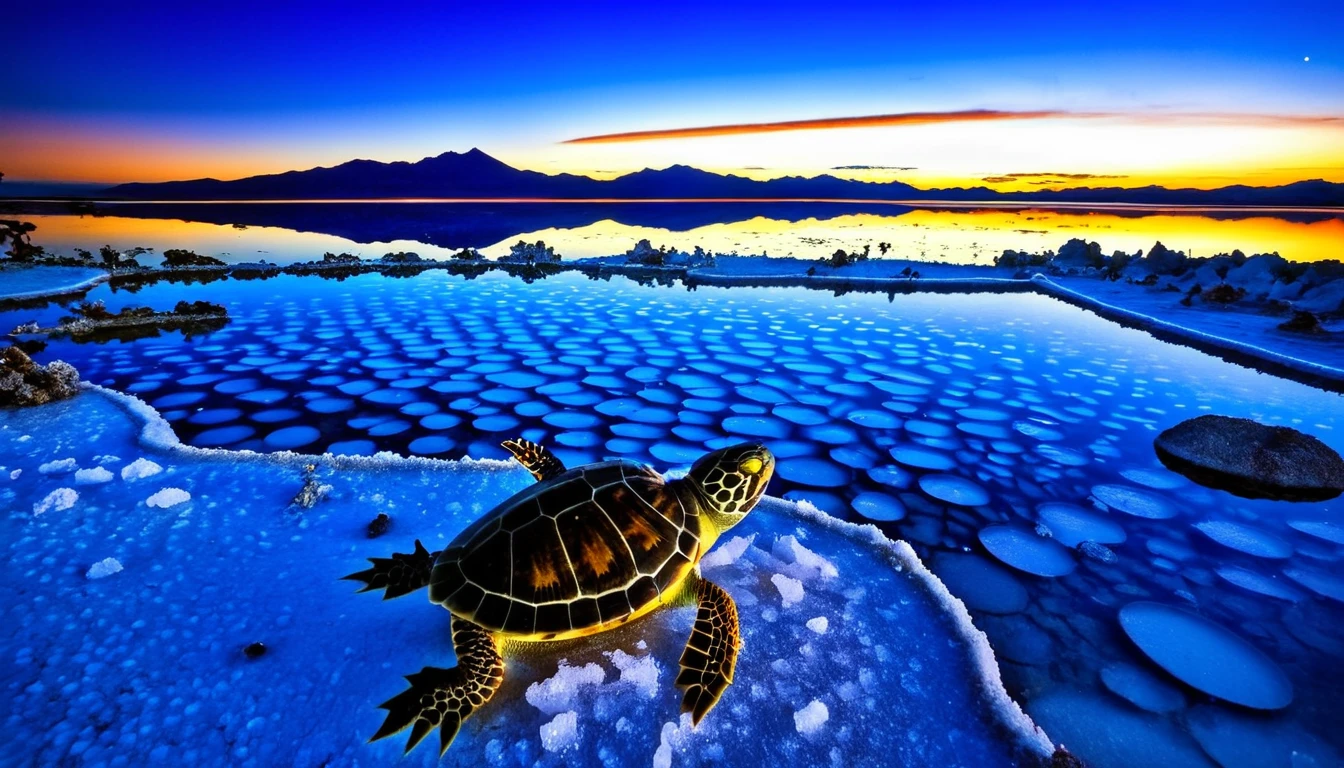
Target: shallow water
(285, 233)
(958, 423)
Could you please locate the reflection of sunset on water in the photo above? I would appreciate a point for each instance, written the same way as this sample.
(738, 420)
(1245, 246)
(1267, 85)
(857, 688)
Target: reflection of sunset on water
(957, 236)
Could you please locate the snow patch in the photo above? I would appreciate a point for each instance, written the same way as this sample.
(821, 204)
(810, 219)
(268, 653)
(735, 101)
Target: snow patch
(168, 497)
(727, 553)
(807, 564)
(58, 467)
(561, 732)
(556, 694)
(104, 568)
(93, 476)
(790, 589)
(809, 719)
(140, 469)
(639, 671)
(58, 500)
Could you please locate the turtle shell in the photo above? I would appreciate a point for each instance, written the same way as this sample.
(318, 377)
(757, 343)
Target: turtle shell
(569, 555)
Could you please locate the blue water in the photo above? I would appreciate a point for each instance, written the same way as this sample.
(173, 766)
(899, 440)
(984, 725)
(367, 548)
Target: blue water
(959, 423)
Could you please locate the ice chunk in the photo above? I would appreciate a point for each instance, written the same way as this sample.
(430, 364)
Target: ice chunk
(168, 497)
(556, 693)
(790, 589)
(639, 671)
(139, 469)
(809, 563)
(811, 718)
(561, 732)
(93, 476)
(104, 568)
(58, 500)
(818, 625)
(728, 552)
(58, 467)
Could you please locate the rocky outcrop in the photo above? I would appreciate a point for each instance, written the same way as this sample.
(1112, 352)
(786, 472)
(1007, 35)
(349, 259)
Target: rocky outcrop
(1161, 260)
(24, 382)
(1079, 254)
(1251, 459)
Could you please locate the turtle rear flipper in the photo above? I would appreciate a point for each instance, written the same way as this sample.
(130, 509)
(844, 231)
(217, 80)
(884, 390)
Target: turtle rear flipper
(711, 652)
(537, 458)
(444, 698)
(399, 574)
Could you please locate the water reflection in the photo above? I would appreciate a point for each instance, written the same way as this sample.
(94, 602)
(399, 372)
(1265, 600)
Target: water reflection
(285, 233)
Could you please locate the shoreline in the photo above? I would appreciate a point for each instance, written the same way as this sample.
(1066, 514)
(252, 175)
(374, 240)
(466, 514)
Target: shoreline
(957, 279)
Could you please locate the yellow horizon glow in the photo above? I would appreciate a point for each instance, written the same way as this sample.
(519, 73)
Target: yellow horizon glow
(950, 154)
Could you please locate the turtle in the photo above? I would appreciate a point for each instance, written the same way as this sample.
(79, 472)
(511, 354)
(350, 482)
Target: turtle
(581, 551)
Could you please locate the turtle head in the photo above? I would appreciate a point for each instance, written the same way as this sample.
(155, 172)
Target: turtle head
(730, 481)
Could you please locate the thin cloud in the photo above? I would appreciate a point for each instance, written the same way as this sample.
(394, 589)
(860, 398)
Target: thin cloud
(1049, 178)
(873, 168)
(904, 118)
(961, 116)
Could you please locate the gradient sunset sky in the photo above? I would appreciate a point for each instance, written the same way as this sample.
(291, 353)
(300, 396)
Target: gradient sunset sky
(1014, 96)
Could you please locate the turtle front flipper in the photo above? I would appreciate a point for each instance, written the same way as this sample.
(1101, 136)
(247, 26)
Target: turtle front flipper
(444, 698)
(538, 459)
(399, 574)
(711, 652)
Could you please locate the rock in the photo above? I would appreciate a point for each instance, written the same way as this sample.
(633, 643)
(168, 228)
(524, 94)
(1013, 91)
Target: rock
(1258, 274)
(1162, 260)
(24, 383)
(379, 525)
(1062, 758)
(1326, 299)
(1079, 254)
(1223, 293)
(312, 491)
(255, 650)
(1251, 459)
(1302, 322)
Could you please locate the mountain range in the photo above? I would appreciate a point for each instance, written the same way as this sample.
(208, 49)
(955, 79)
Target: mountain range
(476, 175)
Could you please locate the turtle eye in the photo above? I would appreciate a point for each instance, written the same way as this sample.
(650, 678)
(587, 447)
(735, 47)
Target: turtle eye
(751, 466)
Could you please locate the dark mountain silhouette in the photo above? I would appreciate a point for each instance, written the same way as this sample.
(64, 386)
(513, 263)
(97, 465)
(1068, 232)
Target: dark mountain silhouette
(475, 175)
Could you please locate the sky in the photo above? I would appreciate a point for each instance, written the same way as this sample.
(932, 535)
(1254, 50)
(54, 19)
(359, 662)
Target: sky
(1013, 96)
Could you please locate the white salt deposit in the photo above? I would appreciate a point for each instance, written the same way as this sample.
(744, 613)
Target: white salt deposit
(819, 625)
(93, 476)
(15, 474)
(790, 589)
(556, 694)
(168, 497)
(811, 718)
(104, 568)
(727, 553)
(639, 671)
(139, 469)
(58, 467)
(561, 732)
(809, 564)
(58, 500)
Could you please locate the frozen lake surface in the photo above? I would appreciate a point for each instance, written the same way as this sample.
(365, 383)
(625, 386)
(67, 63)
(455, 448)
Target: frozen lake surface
(966, 425)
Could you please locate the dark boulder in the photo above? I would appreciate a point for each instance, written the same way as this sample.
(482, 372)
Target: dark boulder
(1251, 459)
(23, 382)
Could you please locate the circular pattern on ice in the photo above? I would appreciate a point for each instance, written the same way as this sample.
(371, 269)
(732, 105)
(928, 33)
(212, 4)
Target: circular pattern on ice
(878, 506)
(291, 437)
(954, 490)
(1206, 656)
(1027, 552)
(1141, 688)
(1244, 538)
(814, 472)
(1133, 501)
(922, 458)
(1071, 525)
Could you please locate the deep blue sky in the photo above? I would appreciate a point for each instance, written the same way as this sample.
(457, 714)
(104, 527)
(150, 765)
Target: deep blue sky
(206, 76)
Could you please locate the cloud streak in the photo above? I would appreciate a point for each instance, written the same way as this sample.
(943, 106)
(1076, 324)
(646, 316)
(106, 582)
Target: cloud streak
(960, 116)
